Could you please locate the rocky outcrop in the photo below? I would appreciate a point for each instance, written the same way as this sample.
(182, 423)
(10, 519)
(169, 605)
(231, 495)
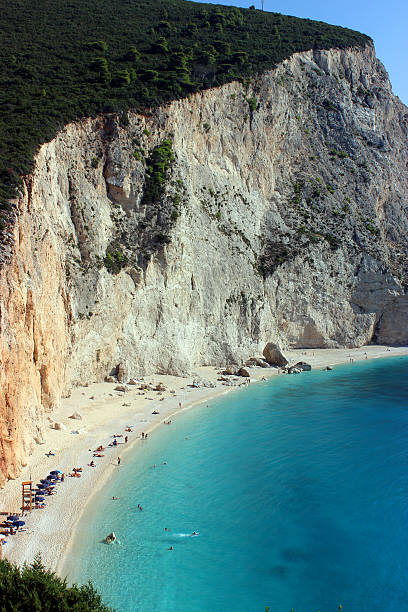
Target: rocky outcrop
(274, 356)
(277, 213)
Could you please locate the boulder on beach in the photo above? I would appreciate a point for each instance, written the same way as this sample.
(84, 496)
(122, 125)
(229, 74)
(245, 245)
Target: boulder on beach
(255, 361)
(243, 372)
(110, 379)
(122, 373)
(59, 426)
(122, 388)
(302, 365)
(133, 381)
(76, 416)
(274, 356)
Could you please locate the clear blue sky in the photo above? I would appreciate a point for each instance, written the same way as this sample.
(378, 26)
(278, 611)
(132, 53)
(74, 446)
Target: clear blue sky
(386, 21)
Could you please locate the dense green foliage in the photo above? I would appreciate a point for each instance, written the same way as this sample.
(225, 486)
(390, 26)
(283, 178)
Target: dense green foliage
(158, 166)
(32, 588)
(65, 59)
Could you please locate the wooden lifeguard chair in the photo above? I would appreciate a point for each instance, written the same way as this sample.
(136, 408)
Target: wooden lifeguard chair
(27, 492)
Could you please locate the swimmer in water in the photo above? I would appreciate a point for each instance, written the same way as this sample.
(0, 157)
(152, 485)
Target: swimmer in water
(171, 548)
(194, 533)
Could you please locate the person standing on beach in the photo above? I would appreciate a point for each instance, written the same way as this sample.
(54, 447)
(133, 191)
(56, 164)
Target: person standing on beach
(126, 439)
(118, 460)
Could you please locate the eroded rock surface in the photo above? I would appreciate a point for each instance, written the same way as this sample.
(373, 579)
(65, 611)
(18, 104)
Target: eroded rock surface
(280, 220)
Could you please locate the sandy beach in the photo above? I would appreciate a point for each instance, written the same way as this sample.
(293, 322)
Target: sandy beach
(105, 412)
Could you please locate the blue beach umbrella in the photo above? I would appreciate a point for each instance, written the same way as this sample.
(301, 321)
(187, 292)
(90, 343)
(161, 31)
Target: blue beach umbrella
(55, 472)
(39, 498)
(18, 524)
(12, 517)
(41, 486)
(45, 481)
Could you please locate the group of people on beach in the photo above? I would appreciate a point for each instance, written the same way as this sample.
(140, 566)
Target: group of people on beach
(98, 452)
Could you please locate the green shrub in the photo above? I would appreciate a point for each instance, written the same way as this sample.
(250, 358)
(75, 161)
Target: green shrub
(100, 66)
(132, 55)
(114, 259)
(297, 189)
(97, 45)
(252, 103)
(121, 79)
(158, 166)
(32, 587)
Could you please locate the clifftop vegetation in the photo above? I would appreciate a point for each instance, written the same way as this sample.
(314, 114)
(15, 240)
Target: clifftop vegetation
(66, 59)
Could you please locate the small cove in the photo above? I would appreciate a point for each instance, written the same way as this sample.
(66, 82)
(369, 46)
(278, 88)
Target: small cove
(298, 488)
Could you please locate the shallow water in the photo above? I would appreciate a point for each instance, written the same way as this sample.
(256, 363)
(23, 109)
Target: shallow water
(299, 491)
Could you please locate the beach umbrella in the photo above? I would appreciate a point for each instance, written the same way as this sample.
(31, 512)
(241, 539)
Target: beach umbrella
(39, 498)
(51, 477)
(12, 517)
(45, 481)
(54, 472)
(18, 523)
(41, 486)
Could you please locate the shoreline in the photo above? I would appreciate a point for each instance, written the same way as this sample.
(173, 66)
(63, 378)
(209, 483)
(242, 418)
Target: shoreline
(105, 411)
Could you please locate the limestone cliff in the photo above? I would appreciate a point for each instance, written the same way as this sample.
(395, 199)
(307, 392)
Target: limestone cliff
(270, 210)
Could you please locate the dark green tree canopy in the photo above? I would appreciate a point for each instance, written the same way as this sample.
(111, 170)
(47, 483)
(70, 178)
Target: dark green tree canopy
(61, 60)
(34, 588)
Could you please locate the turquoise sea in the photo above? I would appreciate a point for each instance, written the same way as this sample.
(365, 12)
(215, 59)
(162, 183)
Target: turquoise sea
(298, 488)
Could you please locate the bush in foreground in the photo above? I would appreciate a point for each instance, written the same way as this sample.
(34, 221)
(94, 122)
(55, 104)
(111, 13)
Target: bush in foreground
(35, 589)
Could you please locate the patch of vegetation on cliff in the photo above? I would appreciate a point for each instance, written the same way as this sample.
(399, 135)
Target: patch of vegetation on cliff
(274, 255)
(114, 259)
(32, 587)
(61, 61)
(158, 166)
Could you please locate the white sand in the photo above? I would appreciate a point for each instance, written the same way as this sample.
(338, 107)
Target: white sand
(106, 412)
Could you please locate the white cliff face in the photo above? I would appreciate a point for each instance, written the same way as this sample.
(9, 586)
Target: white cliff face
(283, 219)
